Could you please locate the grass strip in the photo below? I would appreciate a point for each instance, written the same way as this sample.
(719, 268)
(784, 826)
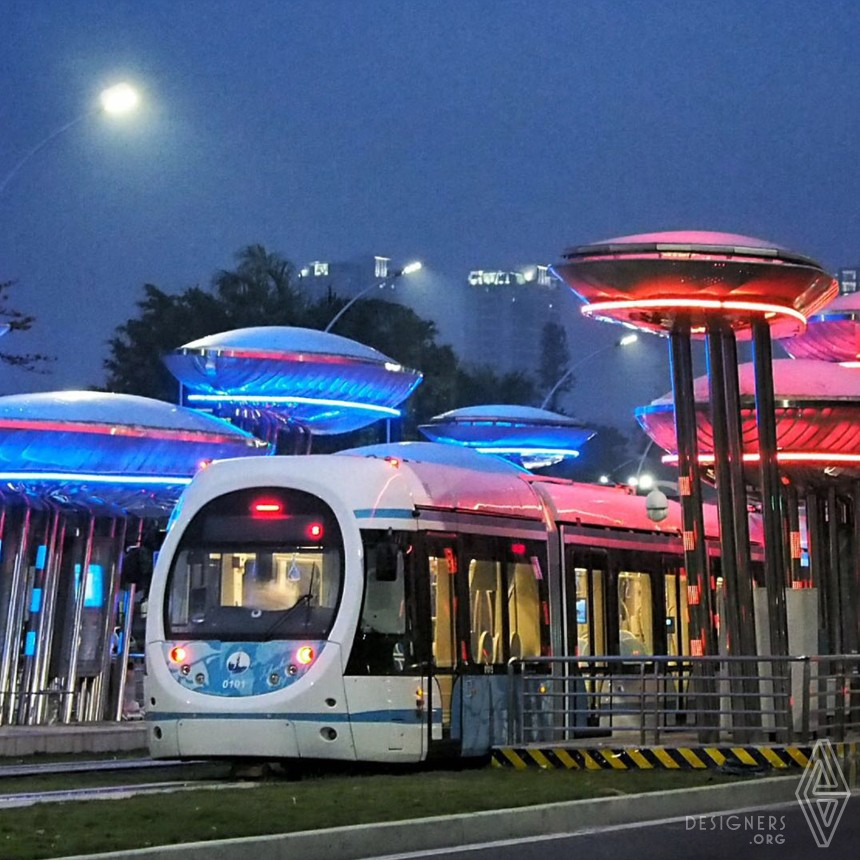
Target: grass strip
(61, 829)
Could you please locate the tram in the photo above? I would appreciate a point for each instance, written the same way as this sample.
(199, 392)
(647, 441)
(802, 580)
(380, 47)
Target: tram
(364, 605)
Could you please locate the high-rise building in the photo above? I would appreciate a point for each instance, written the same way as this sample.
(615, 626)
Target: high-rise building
(505, 315)
(847, 280)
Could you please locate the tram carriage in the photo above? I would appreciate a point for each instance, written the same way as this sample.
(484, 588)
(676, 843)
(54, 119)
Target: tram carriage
(364, 605)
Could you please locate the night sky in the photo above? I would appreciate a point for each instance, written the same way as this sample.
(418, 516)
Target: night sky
(465, 133)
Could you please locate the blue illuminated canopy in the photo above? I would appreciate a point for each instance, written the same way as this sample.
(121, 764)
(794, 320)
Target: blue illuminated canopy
(529, 436)
(322, 381)
(90, 448)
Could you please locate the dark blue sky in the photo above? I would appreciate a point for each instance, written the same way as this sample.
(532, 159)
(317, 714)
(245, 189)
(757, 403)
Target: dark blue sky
(466, 133)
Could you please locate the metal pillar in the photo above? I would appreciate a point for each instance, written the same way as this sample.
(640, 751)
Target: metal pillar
(690, 489)
(833, 595)
(815, 537)
(847, 574)
(794, 552)
(727, 506)
(725, 496)
(12, 630)
(33, 594)
(855, 566)
(112, 604)
(772, 504)
(45, 634)
(72, 676)
(740, 512)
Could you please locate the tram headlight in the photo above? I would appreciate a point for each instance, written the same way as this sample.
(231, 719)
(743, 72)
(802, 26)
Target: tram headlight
(178, 654)
(305, 655)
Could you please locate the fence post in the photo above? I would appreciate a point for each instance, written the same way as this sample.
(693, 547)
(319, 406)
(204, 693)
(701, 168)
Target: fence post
(841, 699)
(804, 703)
(512, 703)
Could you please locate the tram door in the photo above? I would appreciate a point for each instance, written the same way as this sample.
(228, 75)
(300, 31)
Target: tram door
(615, 603)
(586, 601)
(487, 603)
(677, 612)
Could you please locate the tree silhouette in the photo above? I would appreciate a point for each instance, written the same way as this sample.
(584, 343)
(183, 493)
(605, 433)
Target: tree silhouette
(12, 320)
(263, 291)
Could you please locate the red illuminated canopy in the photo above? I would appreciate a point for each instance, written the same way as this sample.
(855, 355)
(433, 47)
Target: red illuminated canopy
(648, 280)
(817, 413)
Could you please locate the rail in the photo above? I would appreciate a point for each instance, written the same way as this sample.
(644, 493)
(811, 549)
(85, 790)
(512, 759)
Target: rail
(649, 700)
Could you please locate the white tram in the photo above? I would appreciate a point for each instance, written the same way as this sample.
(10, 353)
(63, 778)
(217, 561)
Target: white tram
(364, 605)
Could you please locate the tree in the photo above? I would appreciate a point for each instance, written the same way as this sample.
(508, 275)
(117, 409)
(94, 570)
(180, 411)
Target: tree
(554, 361)
(262, 291)
(14, 320)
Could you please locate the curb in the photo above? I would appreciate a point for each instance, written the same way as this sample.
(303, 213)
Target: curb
(451, 831)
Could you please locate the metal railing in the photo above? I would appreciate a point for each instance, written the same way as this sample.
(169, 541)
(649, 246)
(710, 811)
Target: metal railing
(648, 700)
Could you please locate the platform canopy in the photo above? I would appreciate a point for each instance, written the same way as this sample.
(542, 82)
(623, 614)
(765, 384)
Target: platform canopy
(523, 434)
(817, 413)
(91, 448)
(648, 280)
(832, 335)
(321, 381)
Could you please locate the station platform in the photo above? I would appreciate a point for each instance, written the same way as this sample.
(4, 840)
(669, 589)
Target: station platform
(74, 738)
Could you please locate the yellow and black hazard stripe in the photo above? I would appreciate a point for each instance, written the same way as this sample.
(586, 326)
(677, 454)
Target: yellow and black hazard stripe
(652, 758)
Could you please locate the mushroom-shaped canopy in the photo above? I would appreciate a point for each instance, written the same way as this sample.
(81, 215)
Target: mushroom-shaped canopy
(649, 280)
(325, 382)
(532, 437)
(817, 413)
(832, 335)
(94, 447)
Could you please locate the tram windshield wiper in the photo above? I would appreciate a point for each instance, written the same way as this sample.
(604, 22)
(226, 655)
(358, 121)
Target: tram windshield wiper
(304, 600)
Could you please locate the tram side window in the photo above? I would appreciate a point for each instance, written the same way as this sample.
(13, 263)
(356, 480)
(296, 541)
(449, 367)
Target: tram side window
(524, 608)
(442, 594)
(635, 619)
(590, 623)
(384, 640)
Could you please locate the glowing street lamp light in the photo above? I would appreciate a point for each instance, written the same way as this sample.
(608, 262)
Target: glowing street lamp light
(624, 341)
(119, 99)
(408, 269)
(116, 100)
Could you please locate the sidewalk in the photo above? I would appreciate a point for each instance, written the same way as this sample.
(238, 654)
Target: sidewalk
(16, 741)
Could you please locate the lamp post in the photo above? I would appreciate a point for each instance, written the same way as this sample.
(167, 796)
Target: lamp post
(624, 341)
(406, 270)
(115, 100)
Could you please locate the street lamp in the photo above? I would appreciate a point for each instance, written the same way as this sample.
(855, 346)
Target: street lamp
(624, 341)
(115, 100)
(406, 270)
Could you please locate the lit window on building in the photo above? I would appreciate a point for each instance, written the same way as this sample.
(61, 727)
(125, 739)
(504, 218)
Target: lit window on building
(381, 266)
(847, 281)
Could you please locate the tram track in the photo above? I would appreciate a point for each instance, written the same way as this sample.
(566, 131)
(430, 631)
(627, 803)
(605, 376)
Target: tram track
(112, 792)
(93, 766)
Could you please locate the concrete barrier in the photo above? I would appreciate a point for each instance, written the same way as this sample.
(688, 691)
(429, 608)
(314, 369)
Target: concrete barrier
(450, 831)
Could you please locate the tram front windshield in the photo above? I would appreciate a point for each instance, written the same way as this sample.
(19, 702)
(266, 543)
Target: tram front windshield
(256, 564)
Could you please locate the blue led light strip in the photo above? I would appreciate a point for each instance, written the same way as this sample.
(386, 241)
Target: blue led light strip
(313, 401)
(525, 451)
(90, 478)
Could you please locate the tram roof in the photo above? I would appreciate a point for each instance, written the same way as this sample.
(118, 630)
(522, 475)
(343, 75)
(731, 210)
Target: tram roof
(389, 481)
